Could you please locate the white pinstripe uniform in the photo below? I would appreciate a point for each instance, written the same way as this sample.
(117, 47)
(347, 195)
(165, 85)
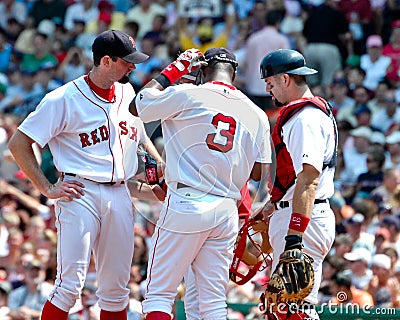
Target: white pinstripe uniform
(307, 125)
(211, 145)
(80, 130)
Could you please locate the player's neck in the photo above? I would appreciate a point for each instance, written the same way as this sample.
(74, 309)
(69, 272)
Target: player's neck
(220, 78)
(103, 94)
(218, 75)
(302, 92)
(99, 79)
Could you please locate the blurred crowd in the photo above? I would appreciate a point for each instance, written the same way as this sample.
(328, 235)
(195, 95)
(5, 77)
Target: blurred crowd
(355, 45)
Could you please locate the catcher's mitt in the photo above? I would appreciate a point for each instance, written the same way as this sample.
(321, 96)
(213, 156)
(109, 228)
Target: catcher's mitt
(291, 282)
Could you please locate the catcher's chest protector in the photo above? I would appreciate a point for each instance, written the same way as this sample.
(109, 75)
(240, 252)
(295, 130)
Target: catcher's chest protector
(285, 174)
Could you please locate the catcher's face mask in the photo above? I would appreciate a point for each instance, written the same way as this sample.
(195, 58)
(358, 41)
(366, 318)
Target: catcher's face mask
(253, 249)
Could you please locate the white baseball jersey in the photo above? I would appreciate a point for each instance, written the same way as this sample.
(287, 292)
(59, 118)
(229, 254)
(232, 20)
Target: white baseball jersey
(210, 146)
(316, 129)
(310, 139)
(94, 152)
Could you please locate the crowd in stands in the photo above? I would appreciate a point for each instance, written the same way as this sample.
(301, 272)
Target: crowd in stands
(355, 45)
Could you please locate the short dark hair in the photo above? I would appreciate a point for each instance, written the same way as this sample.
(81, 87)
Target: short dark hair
(336, 262)
(218, 65)
(298, 79)
(342, 279)
(378, 156)
(162, 17)
(97, 59)
(273, 17)
(133, 26)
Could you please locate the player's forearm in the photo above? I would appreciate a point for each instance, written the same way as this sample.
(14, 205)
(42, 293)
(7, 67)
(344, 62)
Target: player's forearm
(150, 148)
(20, 146)
(303, 198)
(144, 191)
(304, 194)
(153, 83)
(260, 171)
(187, 61)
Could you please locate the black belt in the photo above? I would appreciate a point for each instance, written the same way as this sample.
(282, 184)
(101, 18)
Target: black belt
(105, 183)
(285, 204)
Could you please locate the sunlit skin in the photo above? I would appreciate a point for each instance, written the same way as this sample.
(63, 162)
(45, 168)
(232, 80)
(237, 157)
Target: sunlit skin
(283, 89)
(272, 86)
(125, 68)
(119, 71)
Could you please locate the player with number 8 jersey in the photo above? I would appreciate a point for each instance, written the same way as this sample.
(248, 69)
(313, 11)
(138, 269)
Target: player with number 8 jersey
(215, 139)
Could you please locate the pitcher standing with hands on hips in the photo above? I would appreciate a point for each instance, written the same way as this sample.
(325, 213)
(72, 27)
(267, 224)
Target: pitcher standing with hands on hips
(94, 140)
(305, 139)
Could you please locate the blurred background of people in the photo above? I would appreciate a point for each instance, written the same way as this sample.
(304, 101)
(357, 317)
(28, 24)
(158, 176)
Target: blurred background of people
(258, 44)
(46, 43)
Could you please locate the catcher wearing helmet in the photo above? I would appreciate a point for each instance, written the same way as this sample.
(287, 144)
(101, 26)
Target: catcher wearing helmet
(305, 140)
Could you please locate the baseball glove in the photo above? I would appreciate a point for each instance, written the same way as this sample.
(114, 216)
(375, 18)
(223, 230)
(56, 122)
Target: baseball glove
(292, 280)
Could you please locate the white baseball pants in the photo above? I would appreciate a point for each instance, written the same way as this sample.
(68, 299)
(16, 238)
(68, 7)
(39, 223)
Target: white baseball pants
(102, 220)
(198, 230)
(317, 239)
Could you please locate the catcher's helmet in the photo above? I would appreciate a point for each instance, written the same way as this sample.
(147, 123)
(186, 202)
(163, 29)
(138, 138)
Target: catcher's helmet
(284, 61)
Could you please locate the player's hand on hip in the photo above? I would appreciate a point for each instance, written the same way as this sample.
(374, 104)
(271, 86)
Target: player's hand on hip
(68, 189)
(187, 61)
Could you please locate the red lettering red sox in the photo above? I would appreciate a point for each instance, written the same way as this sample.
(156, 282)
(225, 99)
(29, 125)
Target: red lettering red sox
(102, 134)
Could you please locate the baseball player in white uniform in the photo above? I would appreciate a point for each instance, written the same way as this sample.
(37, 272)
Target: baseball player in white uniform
(191, 297)
(215, 139)
(305, 139)
(94, 139)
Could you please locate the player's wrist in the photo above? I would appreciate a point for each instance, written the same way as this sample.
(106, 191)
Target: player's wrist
(187, 61)
(174, 71)
(163, 80)
(298, 222)
(293, 241)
